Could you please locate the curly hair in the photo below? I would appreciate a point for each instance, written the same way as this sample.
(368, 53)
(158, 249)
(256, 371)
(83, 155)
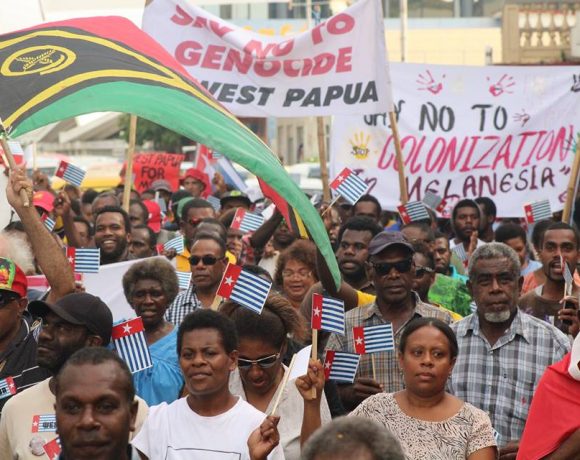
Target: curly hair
(303, 251)
(277, 320)
(157, 269)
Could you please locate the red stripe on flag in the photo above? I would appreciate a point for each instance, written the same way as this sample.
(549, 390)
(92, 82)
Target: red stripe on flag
(359, 340)
(328, 360)
(343, 176)
(317, 301)
(35, 423)
(229, 280)
(71, 256)
(238, 218)
(130, 327)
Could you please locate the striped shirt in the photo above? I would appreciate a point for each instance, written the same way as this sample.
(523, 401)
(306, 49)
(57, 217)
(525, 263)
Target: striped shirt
(501, 379)
(386, 364)
(186, 302)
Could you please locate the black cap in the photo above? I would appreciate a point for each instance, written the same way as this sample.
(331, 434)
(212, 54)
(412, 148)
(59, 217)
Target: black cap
(233, 195)
(386, 240)
(79, 308)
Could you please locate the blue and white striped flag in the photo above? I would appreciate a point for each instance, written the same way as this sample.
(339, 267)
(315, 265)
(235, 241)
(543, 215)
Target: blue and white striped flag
(176, 243)
(340, 366)
(349, 185)
(246, 221)
(184, 279)
(413, 211)
(84, 260)
(215, 202)
(70, 173)
(129, 341)
(245, 288)
(7, 387)
(327, 314)
(372, 339)
(49, 223)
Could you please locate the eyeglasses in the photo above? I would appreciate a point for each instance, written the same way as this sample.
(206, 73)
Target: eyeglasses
(300, 273)
(265, 363)
(421, 271)
(206, 260)
(384, 268)
(6, 298)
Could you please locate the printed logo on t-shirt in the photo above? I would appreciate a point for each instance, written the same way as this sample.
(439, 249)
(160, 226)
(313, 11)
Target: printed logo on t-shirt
(188, 453)
(43, 423)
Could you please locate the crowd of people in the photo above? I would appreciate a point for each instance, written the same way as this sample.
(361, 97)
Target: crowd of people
(483, 312)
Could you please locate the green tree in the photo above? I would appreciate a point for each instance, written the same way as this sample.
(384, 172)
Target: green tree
(162, 138)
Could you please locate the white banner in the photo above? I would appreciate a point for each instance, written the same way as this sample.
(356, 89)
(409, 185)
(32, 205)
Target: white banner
(337, 68)
(507, 133)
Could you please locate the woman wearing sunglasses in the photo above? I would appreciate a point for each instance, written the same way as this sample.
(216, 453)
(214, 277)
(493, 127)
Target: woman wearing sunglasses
(150, 286)
(263, 341)
(429, 422)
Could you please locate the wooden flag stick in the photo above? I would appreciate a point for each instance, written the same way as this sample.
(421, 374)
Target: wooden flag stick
(330, 205)
(373, 367)
(11, 162)
(314, 354)
(283, 385)
(322, 155)
(129, 168)
(400, 163)
(571, 190)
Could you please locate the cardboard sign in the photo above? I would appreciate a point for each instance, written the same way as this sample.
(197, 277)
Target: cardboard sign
(149, 167)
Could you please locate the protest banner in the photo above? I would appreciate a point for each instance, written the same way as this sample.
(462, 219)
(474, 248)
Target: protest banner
(152, 166)
(503, 132)
(338, 67)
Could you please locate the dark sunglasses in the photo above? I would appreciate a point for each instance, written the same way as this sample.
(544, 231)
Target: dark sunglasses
(206, 260)
(265, 362)
(6, 298)
(384, 268)
(422, 271)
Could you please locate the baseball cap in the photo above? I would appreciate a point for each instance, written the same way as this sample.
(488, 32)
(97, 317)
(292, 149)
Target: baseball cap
(233, 195)
(386, 240)
(161, 184)
(12, 278)
(44, 200)
(79, 308)
(154, 219)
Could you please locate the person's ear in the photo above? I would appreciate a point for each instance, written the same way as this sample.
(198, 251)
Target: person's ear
(133, 411)
(94, 341)
(234, 360)
(22, 304)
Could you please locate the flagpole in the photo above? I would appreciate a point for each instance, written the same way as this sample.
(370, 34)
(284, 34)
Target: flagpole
(330, 205)
(570, 192)
(314, 355)
(11, 162)
(373, 366)
(283, 385)
(129, 168)
(400, 164)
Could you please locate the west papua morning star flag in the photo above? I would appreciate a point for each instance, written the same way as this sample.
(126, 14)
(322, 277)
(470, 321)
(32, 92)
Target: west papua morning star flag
(129, 341)
(434, 201)
(372, 339)
(340, 366)
(413, 211)
(84, 260)
(43, 423)
(245, 288)
(53, 448)
(48, 222)
(246, 221)
(540, 210)
(7, 387)
(176, 243)
(70, 173)
(327, 314)
(349, 185)
(183, 279)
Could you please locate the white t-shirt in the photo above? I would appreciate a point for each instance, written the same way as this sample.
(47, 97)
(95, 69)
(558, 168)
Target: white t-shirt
(175, 432)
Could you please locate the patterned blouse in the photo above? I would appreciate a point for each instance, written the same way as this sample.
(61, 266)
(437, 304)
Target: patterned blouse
(453, 439)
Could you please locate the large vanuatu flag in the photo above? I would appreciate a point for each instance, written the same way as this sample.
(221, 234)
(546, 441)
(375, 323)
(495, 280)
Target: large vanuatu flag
(63, 69)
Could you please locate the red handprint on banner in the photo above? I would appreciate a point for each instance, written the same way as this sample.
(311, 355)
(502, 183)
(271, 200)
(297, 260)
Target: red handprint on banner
(427, 83)
(503, 85)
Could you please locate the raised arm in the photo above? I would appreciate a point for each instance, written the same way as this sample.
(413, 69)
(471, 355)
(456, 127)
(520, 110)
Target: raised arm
(265, 232)
(49, 255)
(346, 292)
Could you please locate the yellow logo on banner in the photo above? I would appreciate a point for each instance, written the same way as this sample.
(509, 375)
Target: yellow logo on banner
(37, 59)
(360, 143)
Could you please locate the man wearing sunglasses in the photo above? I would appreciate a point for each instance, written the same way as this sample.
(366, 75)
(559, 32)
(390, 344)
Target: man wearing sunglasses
(393, 273)
(208, 262)
(193, 212)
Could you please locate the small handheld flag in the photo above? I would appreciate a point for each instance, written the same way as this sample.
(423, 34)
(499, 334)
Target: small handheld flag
(413, 211)
(540, 210)
(48, 223)
(7, 387)
(184, 279)
(129, 341)
(52, 449)
(176, 243)
(349, 185)
(84, 260)
(568, 278)
(340, 366)
(372, 339)
(70, 173)
(327, 314)
(215, 202)
(246, 221)
(434, 201)
(460, 253)
(245, 288)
